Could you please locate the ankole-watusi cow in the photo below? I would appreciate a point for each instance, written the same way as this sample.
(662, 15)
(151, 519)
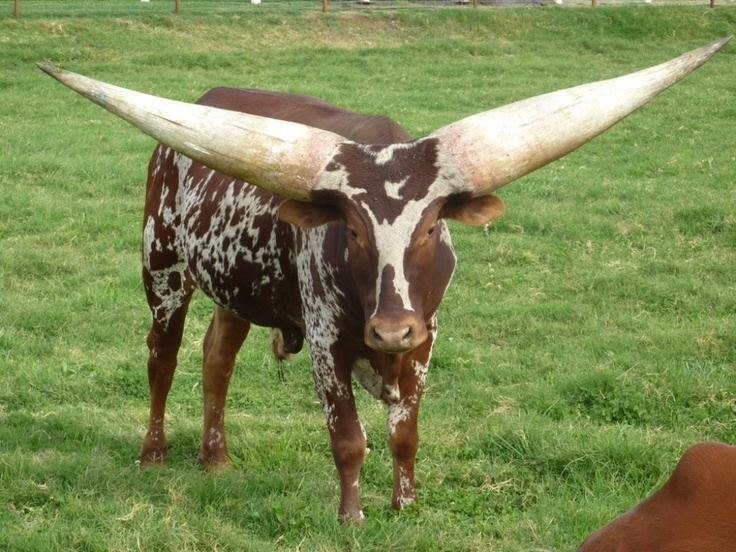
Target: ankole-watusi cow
(328, 225)
(695, 510)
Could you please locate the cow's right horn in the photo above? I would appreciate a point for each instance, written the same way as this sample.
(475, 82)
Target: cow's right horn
(280, 156)
(498, 146)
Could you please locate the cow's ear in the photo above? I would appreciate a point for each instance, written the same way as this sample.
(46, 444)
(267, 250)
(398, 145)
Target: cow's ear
(307, 215)
(473, 210)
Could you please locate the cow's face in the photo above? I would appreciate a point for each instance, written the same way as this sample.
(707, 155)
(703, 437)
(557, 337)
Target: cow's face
(392, 201)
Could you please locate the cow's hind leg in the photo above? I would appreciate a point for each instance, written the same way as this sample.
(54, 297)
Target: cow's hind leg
(224, 338)
(163, 341)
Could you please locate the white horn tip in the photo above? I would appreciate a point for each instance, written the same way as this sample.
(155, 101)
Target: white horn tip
(701, 55)
(59, 74)
(50, 69)
(718, 44)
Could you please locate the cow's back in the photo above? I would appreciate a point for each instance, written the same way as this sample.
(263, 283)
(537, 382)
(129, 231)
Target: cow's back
(368, 129)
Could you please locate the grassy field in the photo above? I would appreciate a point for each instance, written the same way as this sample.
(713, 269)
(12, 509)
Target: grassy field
(588, 338)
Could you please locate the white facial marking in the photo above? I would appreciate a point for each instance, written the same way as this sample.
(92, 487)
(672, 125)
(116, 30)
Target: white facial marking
(386, 154)
(392, 239)
(393, 189)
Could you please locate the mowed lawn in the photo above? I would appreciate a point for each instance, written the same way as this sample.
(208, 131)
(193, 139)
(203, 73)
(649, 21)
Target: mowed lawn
(588, 339)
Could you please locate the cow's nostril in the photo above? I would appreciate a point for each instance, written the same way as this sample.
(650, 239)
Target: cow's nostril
(393, 336)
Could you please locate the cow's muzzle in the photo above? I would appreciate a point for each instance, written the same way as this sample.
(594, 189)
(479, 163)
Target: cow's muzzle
(395, 334)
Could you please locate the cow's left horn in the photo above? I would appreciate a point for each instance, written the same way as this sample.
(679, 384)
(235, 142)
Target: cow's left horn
(280, 156)
(495, 147)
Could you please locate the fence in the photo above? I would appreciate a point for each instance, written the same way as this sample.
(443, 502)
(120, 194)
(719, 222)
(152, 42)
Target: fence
(54, 8)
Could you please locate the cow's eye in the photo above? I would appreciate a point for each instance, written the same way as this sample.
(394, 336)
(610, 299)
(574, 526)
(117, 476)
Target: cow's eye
(431, 230)
(353, 234)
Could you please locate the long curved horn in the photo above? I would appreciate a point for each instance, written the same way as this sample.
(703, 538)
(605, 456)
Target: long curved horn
(280, 156)
(495, 147)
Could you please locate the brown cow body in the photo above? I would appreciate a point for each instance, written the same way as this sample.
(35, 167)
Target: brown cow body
(205, 230)
(695, 511)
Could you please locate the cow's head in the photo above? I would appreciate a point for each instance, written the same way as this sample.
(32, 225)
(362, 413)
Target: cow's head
(392, 201)
(392, 198)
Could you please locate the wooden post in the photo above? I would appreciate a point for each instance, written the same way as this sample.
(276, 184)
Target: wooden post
(325, 5)
(476, 3)
(712, 3)
(177, 7)
(16, 8)
(594, 3)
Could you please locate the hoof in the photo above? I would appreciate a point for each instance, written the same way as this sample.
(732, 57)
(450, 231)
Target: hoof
(351, 518)
(154, 449)
(403, 504)
(153, 457)
(214, 462)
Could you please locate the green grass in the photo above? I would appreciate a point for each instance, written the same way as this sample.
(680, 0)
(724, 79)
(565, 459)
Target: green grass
(587, 340)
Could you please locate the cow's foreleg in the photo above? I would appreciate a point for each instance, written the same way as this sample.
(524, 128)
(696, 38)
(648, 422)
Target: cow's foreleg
(402, 424)
(224, 338)
(163, 342)
(348, 450)
(346, 435)
(404, 442)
